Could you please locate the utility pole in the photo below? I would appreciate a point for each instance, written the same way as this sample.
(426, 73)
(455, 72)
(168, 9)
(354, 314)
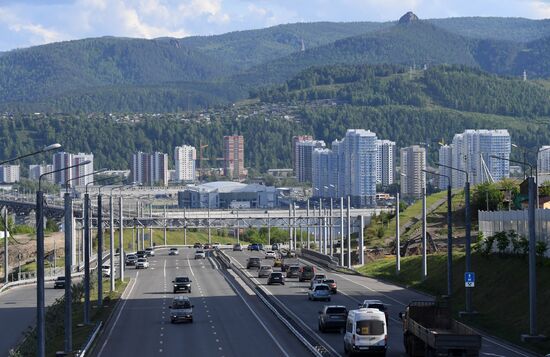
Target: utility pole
(342, 231)
(397, 236)
(349, 235)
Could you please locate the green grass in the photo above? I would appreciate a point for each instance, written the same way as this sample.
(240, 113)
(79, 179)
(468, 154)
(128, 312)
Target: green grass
(500, 295)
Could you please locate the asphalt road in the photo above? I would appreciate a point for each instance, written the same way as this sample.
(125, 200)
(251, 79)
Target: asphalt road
(228, 319)
(18, 312)
(351, 291)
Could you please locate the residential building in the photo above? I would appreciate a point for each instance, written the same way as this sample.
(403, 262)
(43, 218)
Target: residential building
(304, 155)
(9, 173)
(413, 179)
(322, 172)
(385, 162)
(445, 158)
(36, 170)
(295, 156)
(64, 159)
(233, 157)
(543, 160)
(150, 169)
(473, 151)
(359, 163)
(185, 158)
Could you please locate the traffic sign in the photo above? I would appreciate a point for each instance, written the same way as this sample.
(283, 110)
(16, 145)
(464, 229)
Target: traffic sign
(470, 279)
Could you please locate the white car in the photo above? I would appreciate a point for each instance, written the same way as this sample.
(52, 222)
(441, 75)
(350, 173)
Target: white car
(173, 251)
(150, 252)
(366, 331)
(270, 255)
(142, 263)
(106, 270)
(199, 254)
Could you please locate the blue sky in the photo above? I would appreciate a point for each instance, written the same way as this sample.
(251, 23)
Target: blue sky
(25, 23)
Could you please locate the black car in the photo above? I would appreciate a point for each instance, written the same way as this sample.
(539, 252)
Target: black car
(332, 317)
(276, 278)
(253, 262)
(197, 246)
(182, 283)
(141, 254)
(59, 283)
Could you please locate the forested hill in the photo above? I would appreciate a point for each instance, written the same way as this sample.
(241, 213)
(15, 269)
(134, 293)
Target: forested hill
(454, 87)
(166, 74)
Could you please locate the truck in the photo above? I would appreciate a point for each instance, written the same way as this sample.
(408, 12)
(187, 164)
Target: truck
(429, 330)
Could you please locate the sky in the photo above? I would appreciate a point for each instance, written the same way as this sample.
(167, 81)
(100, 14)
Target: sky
(25, 23)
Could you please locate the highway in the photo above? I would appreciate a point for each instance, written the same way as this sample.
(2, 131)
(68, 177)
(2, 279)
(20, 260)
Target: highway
(228, 319)
(18, 312)
(351, 291)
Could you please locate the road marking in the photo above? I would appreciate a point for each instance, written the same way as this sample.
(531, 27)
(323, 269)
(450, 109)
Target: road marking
(189, 262)
(118, 315)
(256, 316)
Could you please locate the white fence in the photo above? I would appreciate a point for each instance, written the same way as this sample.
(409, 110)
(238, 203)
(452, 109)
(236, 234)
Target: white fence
(491, 222)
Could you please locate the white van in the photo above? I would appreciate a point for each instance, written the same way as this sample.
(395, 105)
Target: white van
(366, 332)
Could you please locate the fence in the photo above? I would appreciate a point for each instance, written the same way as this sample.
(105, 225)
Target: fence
(491, 222)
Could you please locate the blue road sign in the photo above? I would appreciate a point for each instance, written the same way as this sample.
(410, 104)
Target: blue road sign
(470, 279)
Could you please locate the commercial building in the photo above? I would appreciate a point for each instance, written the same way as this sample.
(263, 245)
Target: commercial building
(304, 156)
(64, 159)
(225, 194)
(185, 158)
(9, 173)
(385, 162)
(150, 169)
(413, 179)
(233, 157)
(295, 156)
(473, 151)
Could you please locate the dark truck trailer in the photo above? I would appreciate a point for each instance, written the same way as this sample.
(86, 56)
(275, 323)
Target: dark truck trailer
(429, 330)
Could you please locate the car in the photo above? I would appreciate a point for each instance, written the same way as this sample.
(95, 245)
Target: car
(275, 246)
(142, 263)
(277, 262)
(306, 273)
(173, 251)
(216, 245)
(270, 255)
(317, 278)
(331, 284)
(276, 278)
(319, 292)
(200, 254)
(265, 271)
(59, 283)
(366, 332)
(207, 246)
(260, 246)
(141, 254)
(254, 247)
(182, 283)
(375, 304)
(150, 252)
(106, 270)
(237, 248)
(181, 310)
(293, 271)
(253, 262)
(332, 317)
(131, 259)
(197, 245)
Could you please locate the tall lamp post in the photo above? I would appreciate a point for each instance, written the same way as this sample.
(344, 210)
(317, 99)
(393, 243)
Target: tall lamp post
(121, 229)
(424, 226)
(40, 304)
(6, 256)
(532, 254)
(468, 224)
(449, 232)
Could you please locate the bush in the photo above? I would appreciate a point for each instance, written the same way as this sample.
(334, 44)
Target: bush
(514, 241)
(487, 245)
(541, 248)
(523, 245)
(502, 241)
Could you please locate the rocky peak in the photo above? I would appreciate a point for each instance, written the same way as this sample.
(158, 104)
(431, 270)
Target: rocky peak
(408, 18)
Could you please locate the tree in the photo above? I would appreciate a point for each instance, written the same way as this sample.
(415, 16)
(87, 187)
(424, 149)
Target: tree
(487, 195)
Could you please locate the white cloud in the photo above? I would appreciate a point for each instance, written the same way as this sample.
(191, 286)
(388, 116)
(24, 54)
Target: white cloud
(540, 9)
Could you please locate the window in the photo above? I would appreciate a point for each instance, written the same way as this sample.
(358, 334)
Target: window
(370, 327)
(336, 310)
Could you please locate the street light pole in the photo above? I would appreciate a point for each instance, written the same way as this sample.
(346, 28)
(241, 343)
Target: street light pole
(40, 298)
(397, 237)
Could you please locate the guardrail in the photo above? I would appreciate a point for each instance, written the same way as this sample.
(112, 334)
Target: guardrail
(86, 348)
(315, 346)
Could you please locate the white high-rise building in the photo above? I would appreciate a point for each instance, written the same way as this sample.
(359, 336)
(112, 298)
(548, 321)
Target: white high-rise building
(64, 159)
(36, 170)
(9, 173)
(304, 155)
(543, 160)
(413, 179)
(322, 173)
(472, 151)
(359, 158)
(185, 160)
(445, 158)
(385, 162)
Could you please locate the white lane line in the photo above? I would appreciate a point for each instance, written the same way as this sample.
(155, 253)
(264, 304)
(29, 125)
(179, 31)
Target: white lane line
(189, 262)
(118, 315)
(256, 316)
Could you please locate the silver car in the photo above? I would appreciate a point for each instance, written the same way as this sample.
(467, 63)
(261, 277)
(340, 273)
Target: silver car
(265, 271)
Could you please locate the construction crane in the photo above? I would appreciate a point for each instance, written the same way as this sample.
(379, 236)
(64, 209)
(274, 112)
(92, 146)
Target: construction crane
(202, 158)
